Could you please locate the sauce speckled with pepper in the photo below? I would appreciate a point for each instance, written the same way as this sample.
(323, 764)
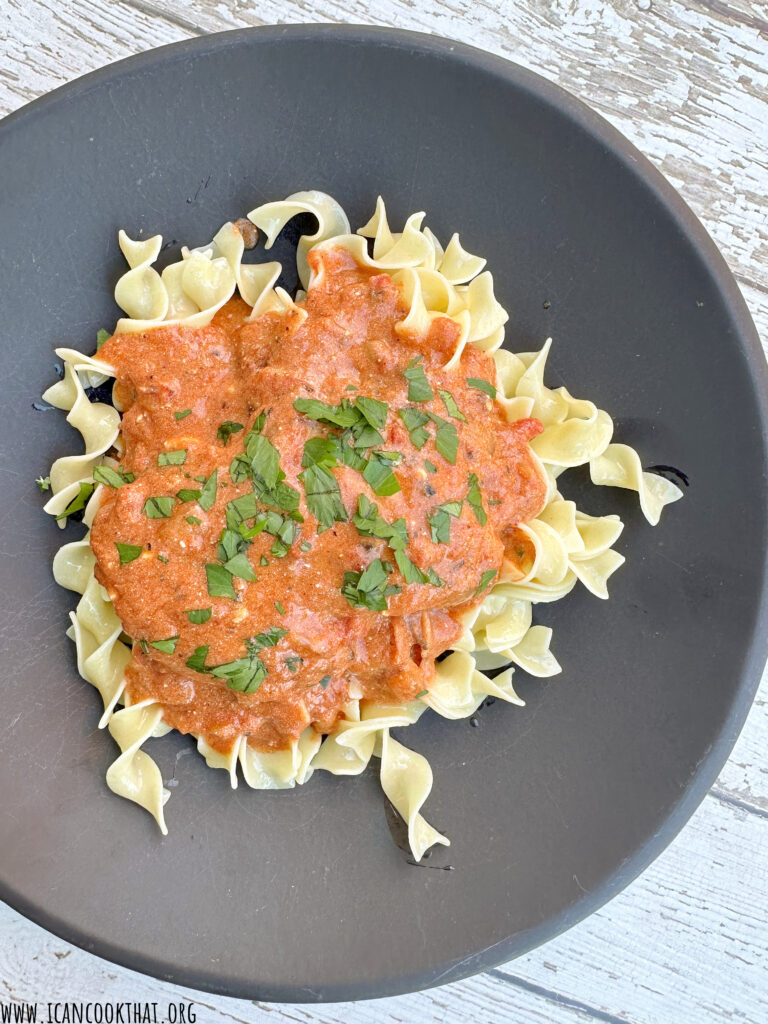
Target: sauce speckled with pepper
(315, 500)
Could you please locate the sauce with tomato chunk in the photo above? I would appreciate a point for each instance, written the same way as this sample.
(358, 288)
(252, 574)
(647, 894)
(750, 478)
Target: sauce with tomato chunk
(315, 499)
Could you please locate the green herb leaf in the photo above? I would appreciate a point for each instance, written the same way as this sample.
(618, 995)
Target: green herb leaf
(240, 468)
(158, 507)
(423, 693)
(111, 477)
(378, 473)
(219, 581)
(306, 546)
(101, 337)
(285, 538)
(244, 675)
(419, 389)
(450, 405)
(162, 558)
(475, 499)
(188, 494)
(258, 423)
(239, 565)
(293, 663)
(321, 451)
(446, 438)
(485, 579)
(128, 552)
(370, 524)
(193, 520)
(79, 501)
(349, 455)
(208, 493)
(322, 683)
(350, 387)
(439, 521)
(411, 573)
(374, 411)
(343, 415)
(430, 466)
(434, 579)
(43, 483)
(367, 589)
(482, 385)
(280, 607)
(414, 420)
(240, 509)
(197, 660)
(263, 560)
(227, 429)
(269, 638)
(177, 458)
(182, 414)
(197, 616)
(166, 646)
(323, 496)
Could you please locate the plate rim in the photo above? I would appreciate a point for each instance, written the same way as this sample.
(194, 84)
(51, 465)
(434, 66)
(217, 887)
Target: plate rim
(748, 341)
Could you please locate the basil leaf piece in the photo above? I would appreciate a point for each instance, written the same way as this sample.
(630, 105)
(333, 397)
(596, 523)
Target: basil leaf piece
(414, 420)
(196, 661)
(197, 616)
(374, 411)
(188, 494)
(240, 566)
(176, 458)
(79, 501)
(158, 507)
(180, 415)
(240, 468)
(268, 638)
(101, 337)
(280, 607)
(411, 573)
(475, 499)
(284, 538)
(208, 493)
(165, 646)
(343, 415)
(193, 520)
(370, 524)
(439, 521)
(450, 405)
(292, 663)
(378, 474)
(43, 484)
(430, 466)
(128, 552)
(240, 509)
(323, 496)
(244, 675)
(163, 559)
(219, 581)
(485, 579)
(322, 683)
(111, 477)
(321, 451)
(226, 430)
(482, 385)
(367, 589)
(446, 438)
(419, 389)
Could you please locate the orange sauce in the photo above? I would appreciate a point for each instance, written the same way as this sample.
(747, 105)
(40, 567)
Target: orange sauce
(231, 371)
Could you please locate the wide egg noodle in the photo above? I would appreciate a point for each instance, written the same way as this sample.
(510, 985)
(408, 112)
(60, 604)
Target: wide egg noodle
(568, 546)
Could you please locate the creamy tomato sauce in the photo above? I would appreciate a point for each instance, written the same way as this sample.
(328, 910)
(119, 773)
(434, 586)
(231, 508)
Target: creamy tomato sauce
(178, 385)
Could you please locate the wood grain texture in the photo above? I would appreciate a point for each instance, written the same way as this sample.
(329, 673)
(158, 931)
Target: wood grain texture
(687, 82)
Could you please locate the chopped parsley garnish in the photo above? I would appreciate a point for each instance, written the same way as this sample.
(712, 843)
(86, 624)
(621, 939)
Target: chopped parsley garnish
(419, 389)
(322, 683)
(413, 574)
(430, 466)
(263, 560)
(197, 616)
(450, 405)
(244, 675)
(482, 385)
(343, 415)
(446, 438)
(323, 496)
(374, 411)
(239, 565)
(280, 607)
(305, 545)
(188, 494)
(414, 420)
(420, 695)
(475, 499)
(166, 646)
(158, 507)
(219, 581)
(176, 458)
(43, 483)
(370, 524)
(163, 559)
(182, 414)
(227, 429)
(128, 552)
(208, 493)
(285, 537)
(269, 638)
(292, 663)
(485, 579)
(439, 520)
(361, 419)
(101, 337)
(368, 589)
(112, 477)
(193, 520)
(378, 473)
(79, 501)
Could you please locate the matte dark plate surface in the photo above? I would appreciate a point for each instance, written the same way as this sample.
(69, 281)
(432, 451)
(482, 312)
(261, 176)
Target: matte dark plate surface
(551, 809)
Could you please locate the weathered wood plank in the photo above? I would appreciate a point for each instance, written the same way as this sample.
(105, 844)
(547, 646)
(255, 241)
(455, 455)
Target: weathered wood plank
(659, 953)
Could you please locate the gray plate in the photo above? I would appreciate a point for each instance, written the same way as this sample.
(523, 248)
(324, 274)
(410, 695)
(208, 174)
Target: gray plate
(551, 809)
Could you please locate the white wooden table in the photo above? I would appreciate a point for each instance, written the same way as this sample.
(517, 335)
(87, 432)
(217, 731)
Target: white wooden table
(687, 82)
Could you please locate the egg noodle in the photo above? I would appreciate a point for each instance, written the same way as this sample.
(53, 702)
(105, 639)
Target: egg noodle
(569, 546)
